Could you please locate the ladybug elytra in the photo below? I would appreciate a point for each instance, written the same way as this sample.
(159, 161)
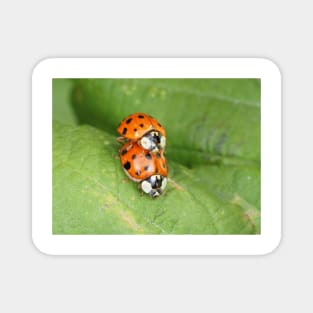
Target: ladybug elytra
(144, 129)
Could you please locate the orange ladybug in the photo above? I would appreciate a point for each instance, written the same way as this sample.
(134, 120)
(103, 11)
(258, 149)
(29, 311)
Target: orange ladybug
(144, 129)
(144, 167)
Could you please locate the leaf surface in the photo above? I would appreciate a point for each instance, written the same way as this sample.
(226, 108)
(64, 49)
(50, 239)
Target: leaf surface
(207, 120)
(62, 109)
(91, 194)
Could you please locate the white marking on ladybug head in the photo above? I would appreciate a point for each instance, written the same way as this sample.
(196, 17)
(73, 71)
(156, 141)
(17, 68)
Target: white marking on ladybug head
(146, 186)
(163, 142)
(164, 183)
(145, 143)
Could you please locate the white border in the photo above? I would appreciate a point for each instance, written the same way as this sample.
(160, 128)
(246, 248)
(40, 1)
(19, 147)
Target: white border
(48, 69)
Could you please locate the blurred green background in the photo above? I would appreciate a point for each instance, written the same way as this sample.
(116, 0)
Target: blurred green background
(213, 154)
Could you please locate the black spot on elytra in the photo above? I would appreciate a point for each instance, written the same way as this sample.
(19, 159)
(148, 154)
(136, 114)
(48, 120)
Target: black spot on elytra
(148, 156)
(134, 156)
(127, 165)
(135, 129)
(138, 173)
(146, 167)
(141, 116)
(141, 125)
(129, 120)
(158, 155)
(124, 151)
(124, 131)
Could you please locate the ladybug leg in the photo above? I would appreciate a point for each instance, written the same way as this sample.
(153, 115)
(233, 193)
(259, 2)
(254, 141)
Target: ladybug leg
(121, 139)
(175, 184)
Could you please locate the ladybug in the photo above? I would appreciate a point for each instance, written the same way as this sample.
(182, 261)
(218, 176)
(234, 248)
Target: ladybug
(144, 129)
(144, 167)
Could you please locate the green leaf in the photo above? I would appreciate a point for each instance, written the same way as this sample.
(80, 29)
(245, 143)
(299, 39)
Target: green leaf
(207, 120)
(213, 154)
(62, 109)
(91, 194)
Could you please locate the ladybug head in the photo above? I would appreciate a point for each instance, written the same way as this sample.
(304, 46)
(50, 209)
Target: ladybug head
(153, 141)
(154, 185)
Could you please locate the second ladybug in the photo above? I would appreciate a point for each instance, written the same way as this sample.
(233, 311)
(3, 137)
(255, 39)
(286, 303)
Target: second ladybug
(144, 129)
(148, 169)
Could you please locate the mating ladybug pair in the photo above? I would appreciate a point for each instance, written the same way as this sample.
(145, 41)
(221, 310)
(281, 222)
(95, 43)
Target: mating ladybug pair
(142, 154)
